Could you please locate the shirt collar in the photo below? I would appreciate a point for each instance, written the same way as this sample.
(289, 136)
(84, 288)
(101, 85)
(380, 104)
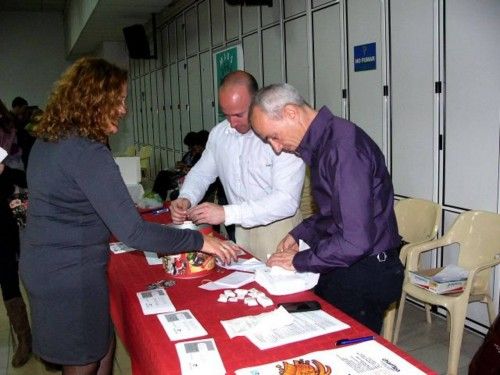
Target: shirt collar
(229, 130)
(309, 144)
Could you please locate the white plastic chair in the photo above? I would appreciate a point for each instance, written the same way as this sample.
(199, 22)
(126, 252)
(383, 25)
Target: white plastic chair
(418, 221)
(478, 235)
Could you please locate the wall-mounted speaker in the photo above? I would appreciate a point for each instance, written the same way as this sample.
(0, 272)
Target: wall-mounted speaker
(137, 42)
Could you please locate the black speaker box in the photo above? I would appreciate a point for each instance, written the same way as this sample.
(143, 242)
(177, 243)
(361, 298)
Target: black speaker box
(137, 42)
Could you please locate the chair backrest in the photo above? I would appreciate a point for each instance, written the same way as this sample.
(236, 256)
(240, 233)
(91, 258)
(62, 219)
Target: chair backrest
(145, 154)
(478, 234)
(130, 151)
(418, 219)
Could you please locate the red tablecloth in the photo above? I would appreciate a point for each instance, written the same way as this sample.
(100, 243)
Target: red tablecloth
(152, 353)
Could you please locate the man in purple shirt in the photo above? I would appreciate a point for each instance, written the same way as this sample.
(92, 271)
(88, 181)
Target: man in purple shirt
(353, 238)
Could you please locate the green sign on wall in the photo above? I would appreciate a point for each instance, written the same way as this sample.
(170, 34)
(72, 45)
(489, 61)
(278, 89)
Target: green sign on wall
(226, 61)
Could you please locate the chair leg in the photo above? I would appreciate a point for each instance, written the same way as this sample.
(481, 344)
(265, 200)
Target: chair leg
(491, 309)
(388, 328)
(399, 317)
(428, 313)
(457, 319)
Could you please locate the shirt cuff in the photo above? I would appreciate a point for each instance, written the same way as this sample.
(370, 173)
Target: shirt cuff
(232, 214)
(300, 261)
(189, 198)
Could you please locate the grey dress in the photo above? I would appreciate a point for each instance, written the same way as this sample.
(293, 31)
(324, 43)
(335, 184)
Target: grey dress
(76, 198)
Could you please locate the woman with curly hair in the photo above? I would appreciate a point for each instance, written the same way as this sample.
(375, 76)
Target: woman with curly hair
(77, 197)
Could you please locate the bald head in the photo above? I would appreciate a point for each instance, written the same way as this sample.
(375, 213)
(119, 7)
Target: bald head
(235, 95)
(240, 78)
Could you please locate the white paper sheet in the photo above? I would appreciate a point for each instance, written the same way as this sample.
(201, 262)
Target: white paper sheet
(264, 322)
(152, 258)
(155, 301)
(367, 358)
(232, 281)
(245, 265)
(200, 357)
(305, 326)
(120, 247)
(181, 325)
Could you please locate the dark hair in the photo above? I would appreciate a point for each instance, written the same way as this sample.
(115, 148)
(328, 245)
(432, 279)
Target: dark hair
(190, 139)
(240, 77)
(202, 137)
(19, 102)
(84, 101)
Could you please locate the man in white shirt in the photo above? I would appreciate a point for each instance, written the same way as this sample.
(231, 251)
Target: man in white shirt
(263, 189)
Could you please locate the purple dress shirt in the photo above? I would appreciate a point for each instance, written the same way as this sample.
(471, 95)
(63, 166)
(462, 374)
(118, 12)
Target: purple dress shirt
(353, 190)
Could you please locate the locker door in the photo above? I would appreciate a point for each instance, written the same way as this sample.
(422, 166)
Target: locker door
(204, 25)
(297, 64)
(144, 112)
(207, 90)
(414, 131)
(364, 23)
(169, 108)
(191, 31)
(176, 105)
(160, 91)
(194, 88)
(472, 104)
(184, 101)
(217, 22)
(232, 17)
(250, 51)
(271, 55)
(149, 109)
(328, 64)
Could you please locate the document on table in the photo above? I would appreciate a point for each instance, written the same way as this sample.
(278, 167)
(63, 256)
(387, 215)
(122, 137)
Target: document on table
(152, 258)
(232, 281)
(120, 247)
(199, 357)
(155, 301)
(264, 322)
(246, 265)
(305, 325)
(181, 325)
(367, 358)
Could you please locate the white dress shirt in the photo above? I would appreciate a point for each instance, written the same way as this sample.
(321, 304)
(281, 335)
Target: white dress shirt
(261, 187)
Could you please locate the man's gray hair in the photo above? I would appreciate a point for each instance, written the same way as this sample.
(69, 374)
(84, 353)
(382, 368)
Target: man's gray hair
(273, 98)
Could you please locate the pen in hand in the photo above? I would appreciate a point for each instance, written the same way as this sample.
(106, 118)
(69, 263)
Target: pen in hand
(354, 340)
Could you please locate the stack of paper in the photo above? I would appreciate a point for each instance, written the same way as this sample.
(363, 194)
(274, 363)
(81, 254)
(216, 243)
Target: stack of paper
(276, 329)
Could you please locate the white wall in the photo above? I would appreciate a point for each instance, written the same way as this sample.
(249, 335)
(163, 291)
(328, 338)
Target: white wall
(32, 55)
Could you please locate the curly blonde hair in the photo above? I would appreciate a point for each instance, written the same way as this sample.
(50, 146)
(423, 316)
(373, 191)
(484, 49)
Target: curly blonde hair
(84, 101)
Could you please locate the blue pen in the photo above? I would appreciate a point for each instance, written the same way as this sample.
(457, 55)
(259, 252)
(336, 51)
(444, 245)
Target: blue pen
(160, 211)
(354, 341)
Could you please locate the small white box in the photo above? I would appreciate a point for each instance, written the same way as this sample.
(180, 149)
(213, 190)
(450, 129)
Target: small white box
(423, 279)
(130, 169)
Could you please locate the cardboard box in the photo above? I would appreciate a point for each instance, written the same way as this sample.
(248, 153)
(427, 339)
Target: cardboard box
(423, 279)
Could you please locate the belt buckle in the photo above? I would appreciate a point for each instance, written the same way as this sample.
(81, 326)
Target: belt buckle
(382, 257)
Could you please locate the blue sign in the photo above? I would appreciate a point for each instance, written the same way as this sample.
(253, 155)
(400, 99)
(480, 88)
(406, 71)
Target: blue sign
(365, 57)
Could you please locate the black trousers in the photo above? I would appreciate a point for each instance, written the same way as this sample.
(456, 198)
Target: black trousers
(9, 251)
(365, 289)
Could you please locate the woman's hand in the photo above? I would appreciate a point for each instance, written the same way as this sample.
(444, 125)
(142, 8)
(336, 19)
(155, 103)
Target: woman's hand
(224, 250)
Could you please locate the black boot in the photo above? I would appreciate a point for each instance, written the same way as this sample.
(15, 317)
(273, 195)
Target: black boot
(16, 310)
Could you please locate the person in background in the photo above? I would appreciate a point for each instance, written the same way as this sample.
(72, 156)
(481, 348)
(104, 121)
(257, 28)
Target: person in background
(18, 104)
(77, 198)
(353, 238)
(9, 277)
(263, 189)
